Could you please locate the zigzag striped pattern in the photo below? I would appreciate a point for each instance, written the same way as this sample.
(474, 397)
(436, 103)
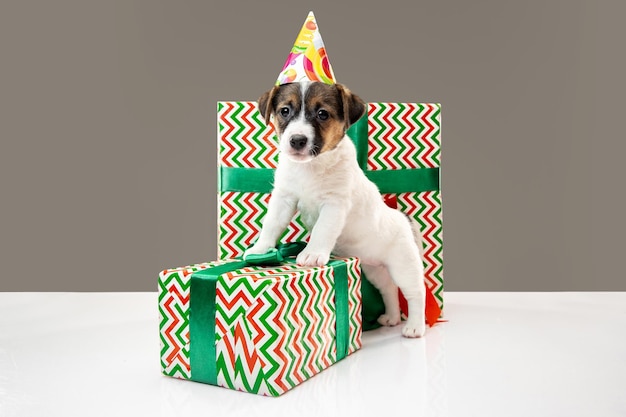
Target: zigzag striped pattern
(288, 334)
(240, 217)
(354, 306)
(275, 327)
(174, 318)
(403, 135)
(425, 207)
(233, 301)
(239, 221)
(238, 363)
(244, 139)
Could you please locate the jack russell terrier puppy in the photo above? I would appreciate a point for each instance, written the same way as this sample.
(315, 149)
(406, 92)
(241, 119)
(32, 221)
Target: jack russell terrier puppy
(344, 212)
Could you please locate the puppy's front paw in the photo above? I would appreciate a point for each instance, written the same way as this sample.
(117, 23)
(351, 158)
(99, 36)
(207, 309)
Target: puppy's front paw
(312, 258)
(258, 249)
(414, 328)
(389, 319)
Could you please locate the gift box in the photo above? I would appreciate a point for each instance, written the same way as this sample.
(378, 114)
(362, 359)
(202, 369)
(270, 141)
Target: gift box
(259, 329)
(398, 147)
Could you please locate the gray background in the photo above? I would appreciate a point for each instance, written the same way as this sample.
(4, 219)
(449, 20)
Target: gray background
(107, 124)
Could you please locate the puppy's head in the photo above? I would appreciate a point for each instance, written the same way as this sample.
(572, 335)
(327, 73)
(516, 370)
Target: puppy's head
(310, 118)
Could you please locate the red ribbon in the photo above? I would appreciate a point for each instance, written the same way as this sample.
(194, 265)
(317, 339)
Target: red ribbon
(432, 310)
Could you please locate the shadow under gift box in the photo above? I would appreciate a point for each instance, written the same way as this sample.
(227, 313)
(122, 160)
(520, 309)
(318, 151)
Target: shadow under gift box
(262, 330)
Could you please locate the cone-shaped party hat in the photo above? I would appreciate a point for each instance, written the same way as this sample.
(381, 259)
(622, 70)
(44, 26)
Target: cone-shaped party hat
(307, 59)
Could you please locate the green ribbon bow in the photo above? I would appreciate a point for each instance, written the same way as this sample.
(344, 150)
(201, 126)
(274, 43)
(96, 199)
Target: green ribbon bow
(202, 353)
(277, 255)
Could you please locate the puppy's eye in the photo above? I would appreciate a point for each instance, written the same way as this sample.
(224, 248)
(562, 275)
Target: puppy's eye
(322, 114)
(284, 111)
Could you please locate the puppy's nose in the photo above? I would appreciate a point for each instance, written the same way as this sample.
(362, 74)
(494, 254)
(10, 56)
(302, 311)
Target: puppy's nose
(297, 142)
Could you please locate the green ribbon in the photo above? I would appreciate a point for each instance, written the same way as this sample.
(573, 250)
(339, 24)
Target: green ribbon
(202, 356)
(358, 133)
(396, 181)
(342, 322)
(254, 180)
(389, 181)
(202, 353)
(275, 256)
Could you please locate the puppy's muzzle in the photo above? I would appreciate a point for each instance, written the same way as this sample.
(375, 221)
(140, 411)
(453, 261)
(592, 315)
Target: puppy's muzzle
(298, 142)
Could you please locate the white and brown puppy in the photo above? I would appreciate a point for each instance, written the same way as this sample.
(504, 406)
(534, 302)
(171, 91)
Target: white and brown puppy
(318, 174)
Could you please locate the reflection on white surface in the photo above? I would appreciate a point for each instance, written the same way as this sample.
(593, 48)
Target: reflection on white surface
(373, 380)
(500, 354)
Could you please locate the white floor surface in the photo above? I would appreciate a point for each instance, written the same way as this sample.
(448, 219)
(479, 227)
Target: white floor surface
(500, 354)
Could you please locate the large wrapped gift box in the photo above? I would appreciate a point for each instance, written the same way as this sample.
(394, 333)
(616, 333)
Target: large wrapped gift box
(258, 329)
(398, 146)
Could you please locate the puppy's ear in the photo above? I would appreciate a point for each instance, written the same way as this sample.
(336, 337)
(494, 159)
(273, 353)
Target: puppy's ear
(353, 106)
(266, 107)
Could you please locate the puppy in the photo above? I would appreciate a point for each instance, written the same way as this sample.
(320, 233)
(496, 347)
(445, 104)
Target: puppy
(344, 212)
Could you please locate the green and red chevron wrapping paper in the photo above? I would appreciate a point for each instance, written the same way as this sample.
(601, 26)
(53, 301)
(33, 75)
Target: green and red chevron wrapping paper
(274, 327)
(400, 136)
(245, 141)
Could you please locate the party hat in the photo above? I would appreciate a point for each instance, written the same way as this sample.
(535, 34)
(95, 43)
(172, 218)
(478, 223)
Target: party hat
(307, 59)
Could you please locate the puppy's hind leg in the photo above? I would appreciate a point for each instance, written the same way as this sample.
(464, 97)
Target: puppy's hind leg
(407, 272)
(379, 277)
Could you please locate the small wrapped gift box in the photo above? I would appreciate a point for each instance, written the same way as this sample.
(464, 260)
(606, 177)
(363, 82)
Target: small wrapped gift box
(258, 329)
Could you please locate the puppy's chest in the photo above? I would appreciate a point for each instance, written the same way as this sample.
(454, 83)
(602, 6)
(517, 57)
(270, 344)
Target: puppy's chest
(310, 198)
(311, 192)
